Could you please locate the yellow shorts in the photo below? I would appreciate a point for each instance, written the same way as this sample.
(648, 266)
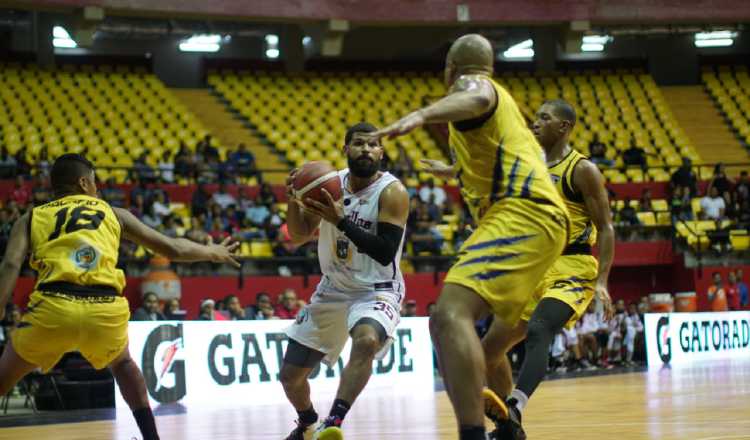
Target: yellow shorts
(571, 279)
(56, 323)
(514, 244)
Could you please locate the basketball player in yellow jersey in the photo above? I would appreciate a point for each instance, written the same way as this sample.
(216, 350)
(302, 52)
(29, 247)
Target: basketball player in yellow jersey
(522, 222)
(77, 303)
(567, 288)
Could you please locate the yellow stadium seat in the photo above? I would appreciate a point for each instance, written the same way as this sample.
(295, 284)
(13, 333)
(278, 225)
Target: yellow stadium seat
(647, 218)
(261, 249)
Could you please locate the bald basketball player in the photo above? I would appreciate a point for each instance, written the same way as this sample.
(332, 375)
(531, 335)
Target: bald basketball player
(522, 222)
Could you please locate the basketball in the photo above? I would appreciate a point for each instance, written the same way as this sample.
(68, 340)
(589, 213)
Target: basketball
(312, 177)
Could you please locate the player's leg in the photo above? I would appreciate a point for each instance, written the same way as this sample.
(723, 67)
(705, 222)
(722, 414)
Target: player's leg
(299, 362)
(460, 355)
(496, 344)
(133, 389)
(12, 368)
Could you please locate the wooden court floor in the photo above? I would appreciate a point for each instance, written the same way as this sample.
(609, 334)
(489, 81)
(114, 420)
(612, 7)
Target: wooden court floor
(707, 402)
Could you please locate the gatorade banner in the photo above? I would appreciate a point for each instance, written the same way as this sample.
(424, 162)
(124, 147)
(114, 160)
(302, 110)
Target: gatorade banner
(238, 362)
(682, 338)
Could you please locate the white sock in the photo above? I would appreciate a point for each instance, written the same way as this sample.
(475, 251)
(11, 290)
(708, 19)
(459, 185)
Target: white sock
(520, 397)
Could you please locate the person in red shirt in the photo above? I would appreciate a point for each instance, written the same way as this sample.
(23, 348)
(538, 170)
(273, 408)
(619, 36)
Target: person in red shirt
(287, 307)
(733, 292)
(717, 297)
(21, 194)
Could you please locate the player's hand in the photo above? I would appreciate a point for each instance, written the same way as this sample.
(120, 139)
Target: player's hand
(438, 168)
(290, 184)
(401, 127)
(602, 295)
(224, 252)
(330, 210)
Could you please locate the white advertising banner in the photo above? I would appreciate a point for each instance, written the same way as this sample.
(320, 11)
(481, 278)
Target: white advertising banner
(682, 338)
(238, 362)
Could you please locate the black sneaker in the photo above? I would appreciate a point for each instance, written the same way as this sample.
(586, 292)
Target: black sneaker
(299, 432)
(509, 429)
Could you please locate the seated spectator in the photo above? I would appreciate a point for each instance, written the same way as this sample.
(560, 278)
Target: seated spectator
(209, 151)
(645, 202)
(680, 206)
(743, 218)
(149, 310)
(287, 307)
(634, 156)
(200, 201)
(21, 194)
(628, 215)
(268, 312)
(410, 309)
(429, 189)
(423, 231)
(172, 311)
(7, 164)
(262, 299)
(598, 154)
(713, 205)
(242, 162)
(208, 311)
(184, 166)
(616, 332)
(684, 177)
(161, 206)
(717, 297)
(207, 170)
(170, 228)
(166, 168)
(150, 218)
(741, 190)
(404, 166)
(733, 208)
(587, 336)
(234, 308)
(256, 214)
(234, 220)
(266, 195)
(139, 188)
(142, 170)
(733, 292)
(719, 181)
(633, 329)
(223, 198)
(463, 232)
(43, 164)
(113, 194)
(23, 167)
(42, 191)
(274, 221)
(434, 210)
(197, 232)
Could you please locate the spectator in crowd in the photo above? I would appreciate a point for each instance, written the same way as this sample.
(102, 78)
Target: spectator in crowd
(733, 208)
(160, 205)
(431, 308)
(256, 214)
(645, 204)
(274, 221)
(222, 198)
(434, 210)
(713, 205)
(719, 181)
(462, 233)
(633, 327)
(717, 297)
(149, 310)
(628, 215)
(598, 154)
(403, 167)
(573, 345)
(7, 164)
(262, 299)
(268, 312)
(589, 325)
(207, 170)
(685, 177)
(743, 219)
(616, 332)
(423, 231)
(234, 308)
(172, 311)
(21, 193)
(142, 170)
(266, 195)
(242, 162)
(197, 233)
(287, 307)
(150, 218)
(634, 156)
(410, 309)
(166, 168)
(43, 165)
(741, 190)
(680, 205)
(42, 191)
(200, 201)
(209, 151)
(602, 340)
(113, 194)
(732, 291)
(170, 228)
(742, 289)
(184, 166)
(429, 189)
(207, 312)
(23, 167)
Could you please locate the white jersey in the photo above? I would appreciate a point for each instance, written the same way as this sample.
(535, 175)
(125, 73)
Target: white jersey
(344, 268)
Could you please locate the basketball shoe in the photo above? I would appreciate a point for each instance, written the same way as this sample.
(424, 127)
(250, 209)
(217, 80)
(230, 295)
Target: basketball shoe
(301, 432)
(505, 416)
(329, 429)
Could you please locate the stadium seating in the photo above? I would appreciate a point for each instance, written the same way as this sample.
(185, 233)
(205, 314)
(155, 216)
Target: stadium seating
(303, 115)
(113, 113)
(730, 88)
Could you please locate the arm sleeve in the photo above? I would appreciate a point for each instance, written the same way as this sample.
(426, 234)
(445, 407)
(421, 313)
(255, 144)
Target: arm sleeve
(382, 247)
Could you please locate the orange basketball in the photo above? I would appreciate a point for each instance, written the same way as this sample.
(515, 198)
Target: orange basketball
(312, 177)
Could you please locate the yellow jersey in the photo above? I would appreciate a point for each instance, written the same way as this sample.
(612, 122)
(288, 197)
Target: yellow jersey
(496, 157)
(582, 230)
(74, 245)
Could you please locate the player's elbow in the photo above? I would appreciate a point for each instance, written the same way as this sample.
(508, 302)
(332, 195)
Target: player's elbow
(481, 103)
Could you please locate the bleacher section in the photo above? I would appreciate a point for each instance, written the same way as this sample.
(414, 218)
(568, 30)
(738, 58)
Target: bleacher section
(114, 113)
(730, 87)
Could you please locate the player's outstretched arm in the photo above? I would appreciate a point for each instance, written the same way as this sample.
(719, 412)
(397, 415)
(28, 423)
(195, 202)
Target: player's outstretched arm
(15, 253)
(176, 249)
(590, 182)
(469, 97)
(302, 225)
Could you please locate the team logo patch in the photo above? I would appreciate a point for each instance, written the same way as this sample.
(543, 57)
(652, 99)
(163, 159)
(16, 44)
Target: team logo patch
(85, 257)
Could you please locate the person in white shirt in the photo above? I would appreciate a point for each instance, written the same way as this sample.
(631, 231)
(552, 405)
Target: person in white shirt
(616, 332)
(587, 335)
(713, 205)
(633, 326)
(223, 198)
(429, 189)
(161, 207)
(166, 168)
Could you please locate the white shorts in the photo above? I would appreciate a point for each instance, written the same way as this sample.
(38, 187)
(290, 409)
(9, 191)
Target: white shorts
(571, 337)
(325, 323)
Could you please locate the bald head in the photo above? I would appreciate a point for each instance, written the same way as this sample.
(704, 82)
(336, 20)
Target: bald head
(472, 52)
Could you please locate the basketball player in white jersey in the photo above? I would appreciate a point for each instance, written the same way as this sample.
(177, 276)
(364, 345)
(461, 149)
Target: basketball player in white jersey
(360, 294)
